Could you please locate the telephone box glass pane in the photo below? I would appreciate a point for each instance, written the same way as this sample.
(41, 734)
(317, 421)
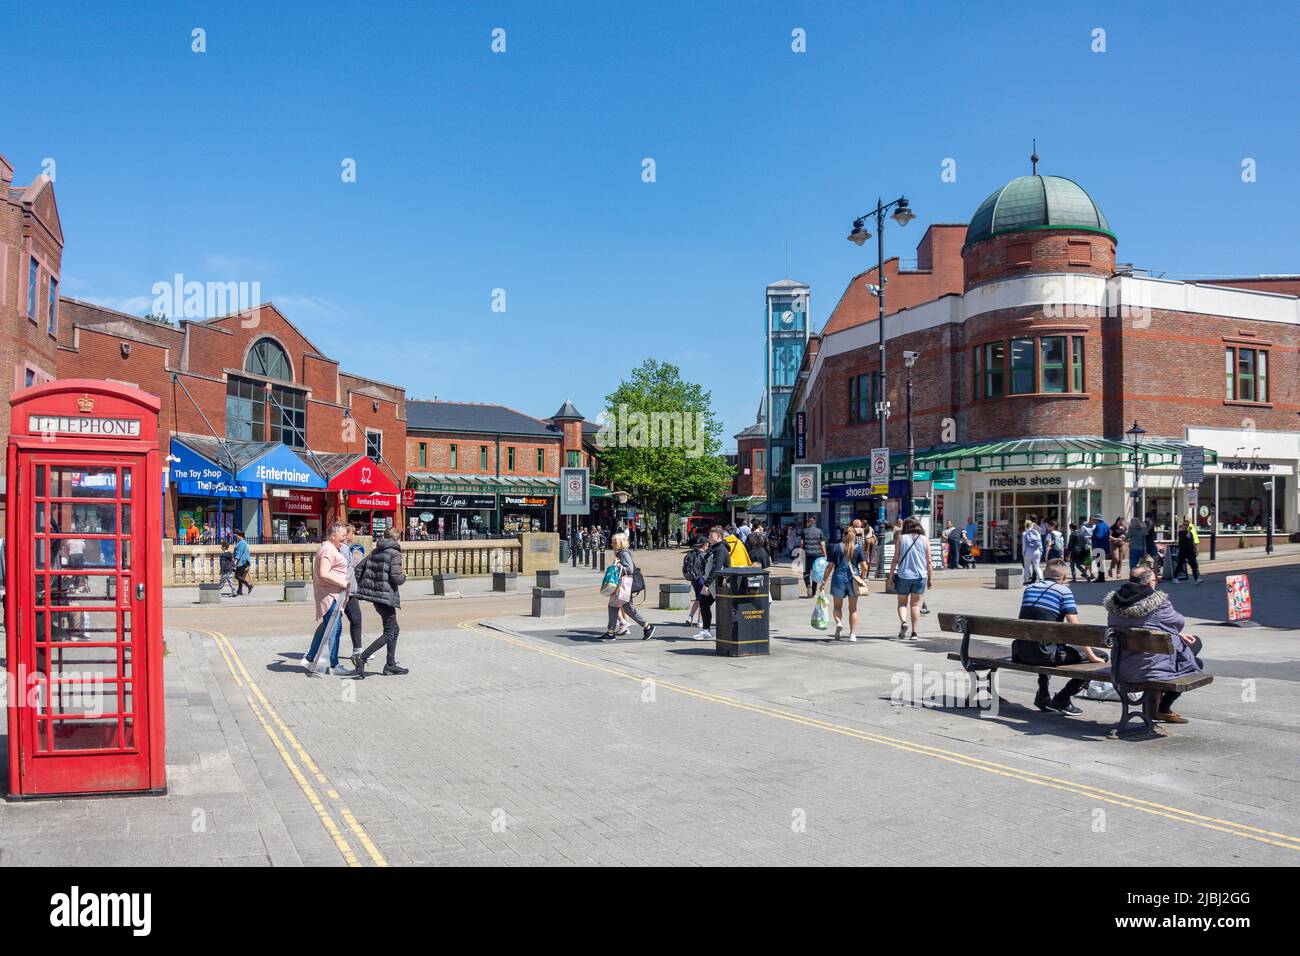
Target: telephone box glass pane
(83, 481)
(100, 734)
(84, 552)
(88, 698)
(72, 517)
(126, 518)
(83, 626)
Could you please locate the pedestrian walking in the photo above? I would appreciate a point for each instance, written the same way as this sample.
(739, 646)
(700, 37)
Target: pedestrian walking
(379, 577)
(693, 571)
(243, 561)
(354, 553)
(330, 586)
(1077, 547)
(911, 574)
(1137, 542)
(226, 562)
(1188, 540)
(620, 602)
(1100, 546)
(952, 534)
(848, 574)
(813, 543)
(756, 545)
(1118, 546)
(1031, 550)
(716, 558)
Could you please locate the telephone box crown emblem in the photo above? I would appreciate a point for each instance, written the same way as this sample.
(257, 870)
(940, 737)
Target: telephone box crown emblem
(86, 404)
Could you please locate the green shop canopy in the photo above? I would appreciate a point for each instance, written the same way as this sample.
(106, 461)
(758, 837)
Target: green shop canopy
(1018, 454)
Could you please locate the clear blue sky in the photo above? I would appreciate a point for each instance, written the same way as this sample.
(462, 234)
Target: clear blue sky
(522, 170)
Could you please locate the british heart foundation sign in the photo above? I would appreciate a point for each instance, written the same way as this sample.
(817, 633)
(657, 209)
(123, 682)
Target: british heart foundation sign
(1238, 598)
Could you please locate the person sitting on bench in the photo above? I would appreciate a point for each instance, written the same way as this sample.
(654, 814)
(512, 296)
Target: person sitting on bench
(1051, 600)
(1139, 604)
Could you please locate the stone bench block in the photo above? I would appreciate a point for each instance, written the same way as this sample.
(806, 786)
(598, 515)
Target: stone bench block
(785, 587)
(295, 592)
(548, 602)
(675, 597)
(505, 581)
(210, 593)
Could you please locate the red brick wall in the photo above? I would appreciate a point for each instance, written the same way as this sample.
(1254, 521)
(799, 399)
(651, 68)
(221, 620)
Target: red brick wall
(439, 454)
(1039, 250)
(754, 483)
(938, 273)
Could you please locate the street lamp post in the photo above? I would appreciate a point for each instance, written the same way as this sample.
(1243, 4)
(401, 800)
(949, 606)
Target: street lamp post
(909, 359)
(902, 215)
(1135, 436)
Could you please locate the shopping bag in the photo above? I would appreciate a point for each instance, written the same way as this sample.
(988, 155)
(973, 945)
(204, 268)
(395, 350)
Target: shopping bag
(613, 575)
(818, 570)
(1100, 690)
(821, 613)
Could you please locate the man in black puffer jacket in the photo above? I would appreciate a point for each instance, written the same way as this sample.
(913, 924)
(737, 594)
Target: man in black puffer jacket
(379, 575)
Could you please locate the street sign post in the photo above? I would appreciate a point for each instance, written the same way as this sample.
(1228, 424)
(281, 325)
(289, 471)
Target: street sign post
(806, 488)
(1193, 465)
(880, 471)
(575, 491)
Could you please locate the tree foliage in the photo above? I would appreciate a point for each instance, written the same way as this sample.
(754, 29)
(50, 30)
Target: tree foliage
(660, 440)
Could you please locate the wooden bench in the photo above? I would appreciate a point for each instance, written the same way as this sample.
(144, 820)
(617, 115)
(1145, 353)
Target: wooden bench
(1119, 641)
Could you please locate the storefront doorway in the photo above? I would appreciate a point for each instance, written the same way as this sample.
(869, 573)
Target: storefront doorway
(1014, 509)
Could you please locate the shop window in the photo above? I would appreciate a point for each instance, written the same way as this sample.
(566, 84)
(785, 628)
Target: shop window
(510, 458)
(864, 394)
(289, 416)
(33, 288)
(424, 454)
(453, 456)
(1022, 366)
(1018, 254)
(1246, 372)
(267, 358)
(541, 459)
(758, 460)
(1051, 362)
(52, 307)
(245, 410)
(1076, 364)
(995, 362)
(482, 457)
(374, 445)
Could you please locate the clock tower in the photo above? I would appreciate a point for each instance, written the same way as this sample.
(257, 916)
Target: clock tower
(786, 316)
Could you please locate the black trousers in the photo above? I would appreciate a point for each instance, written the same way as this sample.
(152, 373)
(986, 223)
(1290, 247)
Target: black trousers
(1187, 559)
(706, 610)
(1029, 652)
(388, 615)
(353, 611)
(241, 575)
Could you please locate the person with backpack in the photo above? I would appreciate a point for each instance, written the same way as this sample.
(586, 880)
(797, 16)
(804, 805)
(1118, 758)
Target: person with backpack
(848, 559)
(1031, 550)
(813, 543)
(1077, 547)
(911, 573)
(378, 578)
(1051, 600)
(620, 601)
(756, 545)
(716, 558)
(693, 571)
(1054, 542)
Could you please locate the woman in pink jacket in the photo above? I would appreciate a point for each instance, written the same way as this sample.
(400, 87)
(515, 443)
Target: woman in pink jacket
(330, 578)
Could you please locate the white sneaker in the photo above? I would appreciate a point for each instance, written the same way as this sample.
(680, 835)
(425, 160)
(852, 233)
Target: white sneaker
(902, 632)
(341, 671)
(703, 636)
(853, 638)
(839, 629)
(1200, 580)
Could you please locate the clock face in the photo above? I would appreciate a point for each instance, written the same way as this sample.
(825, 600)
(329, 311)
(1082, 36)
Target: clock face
(787, 320)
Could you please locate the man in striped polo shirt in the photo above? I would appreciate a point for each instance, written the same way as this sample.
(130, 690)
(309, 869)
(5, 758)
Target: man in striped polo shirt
(1051, 600)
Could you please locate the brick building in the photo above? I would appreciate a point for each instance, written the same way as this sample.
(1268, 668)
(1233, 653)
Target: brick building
(749, 486)
(31, 255)
(1037, 353)
(268, 435)
(488, 469)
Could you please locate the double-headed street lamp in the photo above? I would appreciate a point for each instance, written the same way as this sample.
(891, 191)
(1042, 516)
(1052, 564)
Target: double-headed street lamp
(902, 215)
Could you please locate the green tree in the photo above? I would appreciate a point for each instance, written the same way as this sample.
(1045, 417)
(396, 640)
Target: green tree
(660, 441)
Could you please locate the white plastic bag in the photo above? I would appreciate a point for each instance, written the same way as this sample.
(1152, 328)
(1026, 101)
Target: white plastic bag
(821, 613)
(1100, 690)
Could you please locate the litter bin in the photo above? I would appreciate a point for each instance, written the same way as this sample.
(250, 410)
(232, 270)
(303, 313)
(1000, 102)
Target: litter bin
(742, 610)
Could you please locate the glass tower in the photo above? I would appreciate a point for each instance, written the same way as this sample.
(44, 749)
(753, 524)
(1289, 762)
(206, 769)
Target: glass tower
(787, 334)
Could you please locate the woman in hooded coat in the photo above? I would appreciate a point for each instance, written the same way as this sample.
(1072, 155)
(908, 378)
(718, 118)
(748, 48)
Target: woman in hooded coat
(1138, 604)
(379, 576)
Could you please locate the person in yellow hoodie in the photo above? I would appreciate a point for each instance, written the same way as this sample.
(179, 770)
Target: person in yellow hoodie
(736, 550)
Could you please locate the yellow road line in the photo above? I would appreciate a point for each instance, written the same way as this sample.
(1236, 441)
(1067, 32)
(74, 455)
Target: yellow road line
(975, 763)
(236, 666)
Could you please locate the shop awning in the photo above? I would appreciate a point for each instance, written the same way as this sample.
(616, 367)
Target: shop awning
(199, 468)
(744, 501)
(445, 483)
(1018, 454)
(278, 465)
(362, 475)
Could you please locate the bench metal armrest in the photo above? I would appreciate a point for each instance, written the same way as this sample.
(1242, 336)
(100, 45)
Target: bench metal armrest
(964, 625)
(1116, 644)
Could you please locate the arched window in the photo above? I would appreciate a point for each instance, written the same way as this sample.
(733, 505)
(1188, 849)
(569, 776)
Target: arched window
(267, 358)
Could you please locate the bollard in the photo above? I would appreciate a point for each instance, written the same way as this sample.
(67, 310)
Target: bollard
(210, 593)
(295, 592)
(573, 553)
(505, 581)
(548, 602)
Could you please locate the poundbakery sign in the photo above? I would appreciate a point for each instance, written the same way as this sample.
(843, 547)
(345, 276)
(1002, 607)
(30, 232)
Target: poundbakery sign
(83, 425)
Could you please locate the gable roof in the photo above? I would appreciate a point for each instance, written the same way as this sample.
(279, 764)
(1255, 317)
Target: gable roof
(424, 415)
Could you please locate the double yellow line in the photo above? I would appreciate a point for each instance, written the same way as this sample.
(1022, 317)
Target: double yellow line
(1245, 831)
(267, 716)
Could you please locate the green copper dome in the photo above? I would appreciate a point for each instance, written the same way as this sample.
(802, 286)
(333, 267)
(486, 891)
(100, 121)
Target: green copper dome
(1036, 202)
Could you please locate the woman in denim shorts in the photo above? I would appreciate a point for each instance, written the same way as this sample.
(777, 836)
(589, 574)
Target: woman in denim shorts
(910, 571)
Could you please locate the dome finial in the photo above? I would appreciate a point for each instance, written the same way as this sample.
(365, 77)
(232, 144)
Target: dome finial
(1033, 158)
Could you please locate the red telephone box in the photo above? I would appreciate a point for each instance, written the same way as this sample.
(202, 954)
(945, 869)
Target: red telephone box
(84, 603)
